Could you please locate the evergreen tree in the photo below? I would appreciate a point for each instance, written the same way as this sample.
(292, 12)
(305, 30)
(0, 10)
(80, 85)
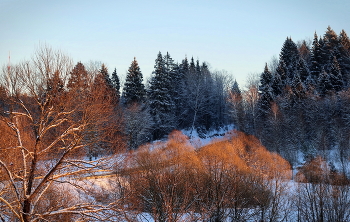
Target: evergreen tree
(104, 82)
(290, 55)
(344, 40)
(298, 87)
(316, 59)
(236, 91)
(192, 67)
(104, 73)
(303, 70)
(236, 101)
(330, 44)
(78, 80)
(330, 39)
(344, 57)
(181, 99)
(265, 92)
(116, 83)
(160, 101)
(281, 70)
(134, 90)
(324, 84)
(277, 85)
(336, 76)
(304, 52)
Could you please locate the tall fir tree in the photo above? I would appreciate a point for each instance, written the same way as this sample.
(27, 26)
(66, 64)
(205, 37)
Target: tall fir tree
(330, 43)
(344, 57)
(265, 93)
(159, 99)
(236, 101)
(105, 82)
(116, 83)
(134, 90)
(316, 63)
(290, 55)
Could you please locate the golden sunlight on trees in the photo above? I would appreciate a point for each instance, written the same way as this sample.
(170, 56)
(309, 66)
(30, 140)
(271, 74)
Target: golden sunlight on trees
(45, 130)
(219, 181)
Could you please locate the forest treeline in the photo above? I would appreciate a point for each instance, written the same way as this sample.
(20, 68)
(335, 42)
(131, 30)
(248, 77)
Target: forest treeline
(63, 122)
(301, 103)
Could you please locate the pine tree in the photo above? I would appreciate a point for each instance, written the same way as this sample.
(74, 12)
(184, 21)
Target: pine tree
(159, 99)
(134, 90)
(116, 83)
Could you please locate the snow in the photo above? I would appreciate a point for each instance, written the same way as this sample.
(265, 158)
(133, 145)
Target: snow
(204, 139)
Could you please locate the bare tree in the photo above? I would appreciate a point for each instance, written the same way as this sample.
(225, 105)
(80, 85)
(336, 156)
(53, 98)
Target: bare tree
(47, 131)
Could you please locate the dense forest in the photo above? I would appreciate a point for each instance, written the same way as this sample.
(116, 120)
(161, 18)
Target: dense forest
(78, 145)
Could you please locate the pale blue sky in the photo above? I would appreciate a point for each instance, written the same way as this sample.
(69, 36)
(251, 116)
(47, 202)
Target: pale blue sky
(237, 36)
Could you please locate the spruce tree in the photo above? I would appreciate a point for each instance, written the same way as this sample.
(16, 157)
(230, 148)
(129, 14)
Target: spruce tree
(344, 57)
(159, 99)
(330, 44)
(116, 83)
(134, 90)
(316, 59)
(303, 70)
(336, 76)
(324, 84)
(105, 75)
(298, 87)
(281, 70)
(236, 101)
(277, 85)
(265, 92)
(290, 55)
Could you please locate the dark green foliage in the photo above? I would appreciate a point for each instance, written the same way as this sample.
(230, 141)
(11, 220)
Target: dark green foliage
(134, 90)
(159, 97)
(316, 59)
(116, 83)
(290, 55)
(266, 92)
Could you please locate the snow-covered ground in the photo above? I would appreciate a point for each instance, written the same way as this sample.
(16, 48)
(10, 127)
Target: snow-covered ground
(201, 139)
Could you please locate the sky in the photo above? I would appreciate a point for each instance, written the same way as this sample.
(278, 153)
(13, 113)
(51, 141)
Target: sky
(236, 36)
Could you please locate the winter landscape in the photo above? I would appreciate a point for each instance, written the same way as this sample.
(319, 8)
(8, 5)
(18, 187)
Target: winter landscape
(79, 143)
(174, 111)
